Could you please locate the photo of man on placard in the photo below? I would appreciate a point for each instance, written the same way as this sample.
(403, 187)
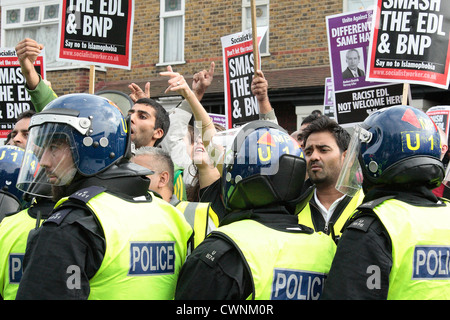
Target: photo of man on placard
(353, 70)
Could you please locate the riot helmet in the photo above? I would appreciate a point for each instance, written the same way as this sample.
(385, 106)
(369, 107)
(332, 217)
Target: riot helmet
(263, 165)
(75, 134)
(394, 145)
(11, 198)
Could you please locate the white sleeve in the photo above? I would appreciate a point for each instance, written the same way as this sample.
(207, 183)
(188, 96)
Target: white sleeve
(173, 142)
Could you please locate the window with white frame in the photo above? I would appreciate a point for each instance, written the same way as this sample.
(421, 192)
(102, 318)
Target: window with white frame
(262, 20)
(171, 46)
(355, 5)
(38, 20)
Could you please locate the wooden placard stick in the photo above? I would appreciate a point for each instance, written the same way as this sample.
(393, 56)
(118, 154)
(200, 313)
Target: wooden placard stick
(405, 94)
(92, 79)
(255, 37)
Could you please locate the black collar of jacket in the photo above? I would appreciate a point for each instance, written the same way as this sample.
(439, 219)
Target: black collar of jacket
(42, 207)
(413, 194)
(123, 181)
(275, 217)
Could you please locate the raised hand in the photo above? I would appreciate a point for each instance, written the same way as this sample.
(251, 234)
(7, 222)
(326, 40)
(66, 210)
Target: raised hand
(202, 80)
(137, 93)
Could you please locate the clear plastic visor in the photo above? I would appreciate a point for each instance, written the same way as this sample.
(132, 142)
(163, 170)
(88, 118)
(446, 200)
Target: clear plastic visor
(48, 160)
(221, 146)
(350, 178)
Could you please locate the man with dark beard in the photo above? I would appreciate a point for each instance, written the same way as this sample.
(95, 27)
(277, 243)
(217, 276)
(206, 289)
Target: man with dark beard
(104, 214)
(323, 207)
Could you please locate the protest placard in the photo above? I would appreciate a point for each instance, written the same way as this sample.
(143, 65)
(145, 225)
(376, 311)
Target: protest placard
(440, 116)
(354, 96)
(410, 42)
(14, 99)
(219, 119)
(97, 32)
(241, 106)
(328, 99)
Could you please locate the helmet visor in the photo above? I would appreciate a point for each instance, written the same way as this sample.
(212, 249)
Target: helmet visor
(350, 178)
(49, 146)
(221, 146)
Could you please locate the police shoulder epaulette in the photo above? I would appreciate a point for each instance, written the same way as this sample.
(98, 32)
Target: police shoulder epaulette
(362, 222)
(365, 215)
(373, 203)
(86, 194)
(216, 249)
(82, 195)
(58, 216)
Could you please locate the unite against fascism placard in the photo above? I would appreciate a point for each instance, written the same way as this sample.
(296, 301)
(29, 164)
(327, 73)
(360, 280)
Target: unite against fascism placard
(354, 96)
(410, 42)
(98, 32)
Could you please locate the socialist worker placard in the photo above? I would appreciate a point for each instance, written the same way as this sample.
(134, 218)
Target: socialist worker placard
(14, 98)
(241, 106)
(410, 42)
(97, 32)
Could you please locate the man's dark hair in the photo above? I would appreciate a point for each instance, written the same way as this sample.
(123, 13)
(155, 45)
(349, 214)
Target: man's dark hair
(23, 115)
(317, 112)
(311, 118)
(162, 116)
(26, 114)
(325, 124)
(8, 138)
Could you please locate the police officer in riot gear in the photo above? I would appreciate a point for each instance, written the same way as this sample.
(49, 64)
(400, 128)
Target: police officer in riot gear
(17, 224)
(259, 243)
(14, 232)
(396, 243)
(10, 197)
(100, 241)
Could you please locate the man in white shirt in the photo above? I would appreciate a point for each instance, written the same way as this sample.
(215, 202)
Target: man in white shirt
(323, 207)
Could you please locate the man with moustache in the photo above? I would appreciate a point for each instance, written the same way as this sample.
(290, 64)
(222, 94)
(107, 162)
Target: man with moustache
(323, 207)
